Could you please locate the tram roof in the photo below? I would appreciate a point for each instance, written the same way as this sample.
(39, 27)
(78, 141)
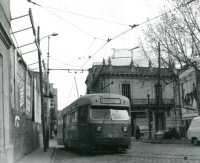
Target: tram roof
(92, 99)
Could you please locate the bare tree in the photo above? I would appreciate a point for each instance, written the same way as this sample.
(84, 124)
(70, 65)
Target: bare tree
(178, 32)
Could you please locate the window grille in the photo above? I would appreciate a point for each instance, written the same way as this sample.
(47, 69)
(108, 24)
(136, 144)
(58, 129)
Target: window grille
(126, 90)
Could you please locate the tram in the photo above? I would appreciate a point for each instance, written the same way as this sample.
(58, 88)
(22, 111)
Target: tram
(60, 127)
(97, 121)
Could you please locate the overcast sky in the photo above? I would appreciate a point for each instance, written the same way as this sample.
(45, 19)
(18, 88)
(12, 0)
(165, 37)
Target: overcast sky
(83, 26)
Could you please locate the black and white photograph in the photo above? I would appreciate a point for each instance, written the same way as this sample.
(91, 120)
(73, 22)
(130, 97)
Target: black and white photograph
(99, 81)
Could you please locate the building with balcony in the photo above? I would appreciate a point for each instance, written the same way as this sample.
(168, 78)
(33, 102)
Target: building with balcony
(150, 103)
(189, 84)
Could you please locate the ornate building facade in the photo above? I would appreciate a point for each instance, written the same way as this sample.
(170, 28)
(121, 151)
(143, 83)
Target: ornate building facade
(149, 105)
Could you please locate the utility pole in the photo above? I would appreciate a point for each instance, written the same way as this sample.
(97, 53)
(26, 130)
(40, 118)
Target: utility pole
(41, 91)
(158, 88)
(149, 116)
(48, 90)
(48, 100)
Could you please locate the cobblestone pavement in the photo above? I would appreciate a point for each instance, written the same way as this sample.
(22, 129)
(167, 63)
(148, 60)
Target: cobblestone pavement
(139, 153)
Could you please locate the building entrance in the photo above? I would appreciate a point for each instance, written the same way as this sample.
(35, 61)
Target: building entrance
(161, 121)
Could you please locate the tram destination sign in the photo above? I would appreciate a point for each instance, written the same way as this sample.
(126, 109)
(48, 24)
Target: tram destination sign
(110, 100)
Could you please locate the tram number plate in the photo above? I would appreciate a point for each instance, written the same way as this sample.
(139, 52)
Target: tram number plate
(113, 135)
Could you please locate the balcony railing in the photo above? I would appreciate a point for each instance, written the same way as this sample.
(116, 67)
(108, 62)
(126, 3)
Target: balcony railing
(152, 102)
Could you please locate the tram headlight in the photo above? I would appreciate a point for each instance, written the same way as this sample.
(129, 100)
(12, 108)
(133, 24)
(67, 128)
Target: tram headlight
(98, 129)
(125, 129)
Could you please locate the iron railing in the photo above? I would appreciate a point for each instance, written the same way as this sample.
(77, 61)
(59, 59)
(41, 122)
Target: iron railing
(152, 102)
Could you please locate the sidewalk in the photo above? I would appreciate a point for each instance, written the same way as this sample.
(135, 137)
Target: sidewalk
(166, 141)
(39, 156)
(162, 141)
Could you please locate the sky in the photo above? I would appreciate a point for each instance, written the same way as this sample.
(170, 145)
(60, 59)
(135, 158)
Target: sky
(83, 27)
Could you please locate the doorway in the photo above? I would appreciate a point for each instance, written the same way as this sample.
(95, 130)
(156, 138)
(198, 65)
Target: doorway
(161, 121)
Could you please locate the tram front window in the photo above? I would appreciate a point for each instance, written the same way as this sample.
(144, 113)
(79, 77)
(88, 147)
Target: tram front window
(100, 113)
(110, 113)
(117, 114)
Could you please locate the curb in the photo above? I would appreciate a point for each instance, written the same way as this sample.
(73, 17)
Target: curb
(166, 141)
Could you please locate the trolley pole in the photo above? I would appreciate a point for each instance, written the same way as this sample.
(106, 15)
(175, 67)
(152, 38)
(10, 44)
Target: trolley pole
(41, 91)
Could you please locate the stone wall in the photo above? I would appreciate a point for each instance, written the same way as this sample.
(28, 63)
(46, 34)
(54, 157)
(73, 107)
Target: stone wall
(25, 136)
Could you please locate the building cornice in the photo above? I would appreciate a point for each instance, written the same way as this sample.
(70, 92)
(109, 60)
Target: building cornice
(4, 37)
(137, 75)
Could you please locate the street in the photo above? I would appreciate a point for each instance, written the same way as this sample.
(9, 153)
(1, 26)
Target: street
(140, 152)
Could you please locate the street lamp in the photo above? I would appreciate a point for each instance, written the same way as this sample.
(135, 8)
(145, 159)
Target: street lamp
(53, 34)
(149, 113)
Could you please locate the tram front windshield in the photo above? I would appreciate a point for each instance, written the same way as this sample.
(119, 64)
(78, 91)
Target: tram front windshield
(98, 113)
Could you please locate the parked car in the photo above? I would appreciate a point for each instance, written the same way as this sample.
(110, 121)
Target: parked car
(193, 133)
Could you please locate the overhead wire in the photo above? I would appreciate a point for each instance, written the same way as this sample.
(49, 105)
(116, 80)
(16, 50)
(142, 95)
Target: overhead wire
(108, 40)
(86, 52)
(68, 22)
(89, 46)
(70, 91)
(122, 33)
(166, 12)
(87, 16)
(126, 31)
(63, 62)
(75, 26)
(90, 56)
(133, 26)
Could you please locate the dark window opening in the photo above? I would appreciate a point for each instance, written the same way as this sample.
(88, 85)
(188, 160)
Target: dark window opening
(126, 91)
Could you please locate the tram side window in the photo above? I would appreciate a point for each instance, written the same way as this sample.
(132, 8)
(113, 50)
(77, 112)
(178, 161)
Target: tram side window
(71, 118)
(65, 120)
(74, 116)
(60, 121)
(83, 114)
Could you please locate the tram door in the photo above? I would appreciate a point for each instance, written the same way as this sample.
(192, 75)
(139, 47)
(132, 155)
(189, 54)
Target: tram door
(83, 136)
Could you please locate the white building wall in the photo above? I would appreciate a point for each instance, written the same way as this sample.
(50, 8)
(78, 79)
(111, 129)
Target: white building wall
(139, 88)
(6, 148)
